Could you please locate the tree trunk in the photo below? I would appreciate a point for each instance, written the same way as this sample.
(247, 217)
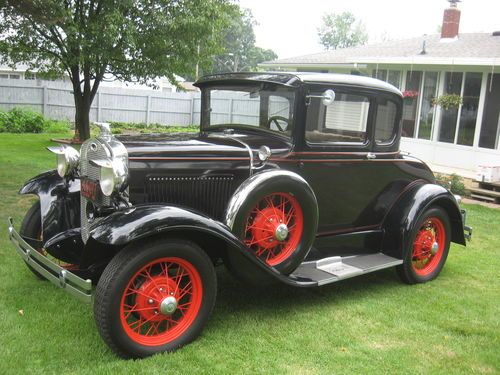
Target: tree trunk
(82, 123)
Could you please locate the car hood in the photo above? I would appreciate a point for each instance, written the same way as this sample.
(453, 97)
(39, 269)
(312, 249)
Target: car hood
(201, 144)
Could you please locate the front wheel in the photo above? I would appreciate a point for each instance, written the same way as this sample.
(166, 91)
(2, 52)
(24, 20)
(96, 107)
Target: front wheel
(154, 297)
(429, 246)
(31, 229)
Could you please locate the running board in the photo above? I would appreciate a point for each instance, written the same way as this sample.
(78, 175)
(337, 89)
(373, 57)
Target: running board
(332, 269)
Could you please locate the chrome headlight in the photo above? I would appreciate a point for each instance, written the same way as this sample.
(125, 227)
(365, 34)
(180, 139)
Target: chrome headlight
(114, 175)
(67, 159)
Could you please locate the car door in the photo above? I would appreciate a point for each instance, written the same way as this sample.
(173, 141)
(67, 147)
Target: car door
(350, 180)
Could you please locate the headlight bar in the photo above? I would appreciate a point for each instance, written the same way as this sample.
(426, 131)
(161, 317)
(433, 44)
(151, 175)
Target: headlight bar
(114, 174)
(67, 159)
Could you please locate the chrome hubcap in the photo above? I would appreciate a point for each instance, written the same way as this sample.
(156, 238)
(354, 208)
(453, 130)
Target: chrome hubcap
(281, 232)
(168, 305)
(434, 248)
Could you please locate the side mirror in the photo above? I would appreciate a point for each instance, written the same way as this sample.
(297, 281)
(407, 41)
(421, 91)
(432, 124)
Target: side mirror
(327, 98)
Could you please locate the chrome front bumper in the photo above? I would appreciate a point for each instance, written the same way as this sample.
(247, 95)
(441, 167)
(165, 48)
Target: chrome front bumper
(57, 275)
(467, 229)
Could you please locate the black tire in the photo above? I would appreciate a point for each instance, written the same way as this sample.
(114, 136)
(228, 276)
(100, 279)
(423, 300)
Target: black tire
(437, 221)
(31, 227)
(308, 204)
(118, 329)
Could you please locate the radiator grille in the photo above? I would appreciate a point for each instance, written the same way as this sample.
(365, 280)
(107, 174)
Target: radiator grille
(208, 194)
(91, 150)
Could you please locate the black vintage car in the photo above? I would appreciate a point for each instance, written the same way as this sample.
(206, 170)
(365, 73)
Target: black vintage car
(294, 178)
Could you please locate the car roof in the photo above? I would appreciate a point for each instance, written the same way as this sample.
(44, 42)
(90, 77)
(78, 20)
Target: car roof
(294, 79)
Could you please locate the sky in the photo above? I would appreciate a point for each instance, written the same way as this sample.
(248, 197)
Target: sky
(290, 27)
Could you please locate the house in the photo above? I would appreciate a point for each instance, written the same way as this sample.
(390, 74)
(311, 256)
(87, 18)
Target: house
(453, 140)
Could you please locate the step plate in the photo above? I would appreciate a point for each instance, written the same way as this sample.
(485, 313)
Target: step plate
(331, 269)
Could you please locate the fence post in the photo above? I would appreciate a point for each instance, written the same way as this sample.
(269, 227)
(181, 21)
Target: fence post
(98, 106)
(231, 111)
(45, 101)
(192, 110)
(148, 109)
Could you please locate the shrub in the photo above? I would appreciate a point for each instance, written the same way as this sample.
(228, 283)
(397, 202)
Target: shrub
(55, 126)
(122, 127)
(22, 120)
(452, 182)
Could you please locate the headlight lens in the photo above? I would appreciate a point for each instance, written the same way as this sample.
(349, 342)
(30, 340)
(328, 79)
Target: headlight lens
(114, 175)
(67, 159)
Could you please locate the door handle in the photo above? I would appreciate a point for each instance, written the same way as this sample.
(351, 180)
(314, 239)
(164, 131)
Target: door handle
(371, 156)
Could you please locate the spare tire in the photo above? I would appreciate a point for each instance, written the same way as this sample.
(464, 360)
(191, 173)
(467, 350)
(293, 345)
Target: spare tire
(275, 213)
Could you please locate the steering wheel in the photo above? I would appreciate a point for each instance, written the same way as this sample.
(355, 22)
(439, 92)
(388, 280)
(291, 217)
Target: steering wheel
(275, 119)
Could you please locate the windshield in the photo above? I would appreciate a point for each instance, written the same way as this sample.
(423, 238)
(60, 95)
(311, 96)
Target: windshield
(260, 106)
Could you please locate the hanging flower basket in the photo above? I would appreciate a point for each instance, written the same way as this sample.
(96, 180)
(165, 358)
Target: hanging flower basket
(410, 94)
(448, 101)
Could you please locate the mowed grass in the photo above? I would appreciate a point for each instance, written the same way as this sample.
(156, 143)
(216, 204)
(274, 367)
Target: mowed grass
(367, 325)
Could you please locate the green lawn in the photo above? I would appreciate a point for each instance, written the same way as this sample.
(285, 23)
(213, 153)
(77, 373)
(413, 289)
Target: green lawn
(367, 325)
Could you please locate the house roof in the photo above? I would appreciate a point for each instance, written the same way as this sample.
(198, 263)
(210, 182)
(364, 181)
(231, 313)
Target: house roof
(467, 49)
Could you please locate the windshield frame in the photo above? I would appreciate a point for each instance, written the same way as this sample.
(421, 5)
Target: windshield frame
(205, 110)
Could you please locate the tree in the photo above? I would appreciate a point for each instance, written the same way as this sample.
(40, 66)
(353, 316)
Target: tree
(134, 40)
(240, 52)
(341, 31)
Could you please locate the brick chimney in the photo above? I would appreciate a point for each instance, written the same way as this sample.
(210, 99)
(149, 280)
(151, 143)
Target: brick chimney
(451, 20)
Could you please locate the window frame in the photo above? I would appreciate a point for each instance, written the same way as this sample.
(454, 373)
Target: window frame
(371, 95)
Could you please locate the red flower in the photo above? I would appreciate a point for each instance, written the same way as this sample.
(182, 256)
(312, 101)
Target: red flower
(410, 94)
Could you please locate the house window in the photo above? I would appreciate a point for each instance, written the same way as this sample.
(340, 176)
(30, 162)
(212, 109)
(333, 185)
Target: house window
(468, 111)
(411, 96)
(452, 85)
(459, 124)
(429, 91)
(4, 75)
(29, 76)
(391, 76)
(490, 128)
(15, 76)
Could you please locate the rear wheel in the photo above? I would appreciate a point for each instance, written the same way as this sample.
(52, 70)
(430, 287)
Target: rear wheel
(430, 243)
(278, 222)
(154, 297)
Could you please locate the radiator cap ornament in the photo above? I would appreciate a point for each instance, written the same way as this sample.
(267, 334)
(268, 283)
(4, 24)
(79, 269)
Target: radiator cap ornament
(105, 129)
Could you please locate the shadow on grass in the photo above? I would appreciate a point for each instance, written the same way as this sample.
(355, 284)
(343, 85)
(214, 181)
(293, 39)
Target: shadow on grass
(236, 296)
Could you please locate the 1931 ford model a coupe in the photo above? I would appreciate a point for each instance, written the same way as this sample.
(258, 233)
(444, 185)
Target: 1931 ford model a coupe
(294, 178)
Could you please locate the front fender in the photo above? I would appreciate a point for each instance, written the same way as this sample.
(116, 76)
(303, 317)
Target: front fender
(401, 219)
(59, 202)
(143, 221)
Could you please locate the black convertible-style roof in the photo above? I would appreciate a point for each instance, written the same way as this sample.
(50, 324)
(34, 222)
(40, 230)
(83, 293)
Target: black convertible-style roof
(294, 79)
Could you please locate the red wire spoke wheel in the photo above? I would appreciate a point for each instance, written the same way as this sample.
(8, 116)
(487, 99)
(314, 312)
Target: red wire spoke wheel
(154, 296)
(428, 247)
(161, 301)
(275, 215)
(274, 227)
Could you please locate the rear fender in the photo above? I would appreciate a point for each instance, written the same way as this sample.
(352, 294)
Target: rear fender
(59, 202)
(402, 218)
(141, 222)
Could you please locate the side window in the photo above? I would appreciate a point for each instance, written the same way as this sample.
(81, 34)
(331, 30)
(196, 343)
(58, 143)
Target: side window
(385, 123)
(343, 121)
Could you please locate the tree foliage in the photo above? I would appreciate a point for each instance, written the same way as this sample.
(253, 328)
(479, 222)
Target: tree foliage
(134, 40)
(341, 31)
(240, 52)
